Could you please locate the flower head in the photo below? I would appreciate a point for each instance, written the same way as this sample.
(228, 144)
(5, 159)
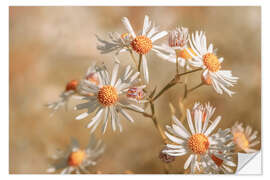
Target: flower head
(205, 57)
(118, 43)
(77, 160)
(221, 160)
(70, 90)
(144, 42)
(178, 38)
(109, 97)
(197, 142)
(244, 139)
(176, 48)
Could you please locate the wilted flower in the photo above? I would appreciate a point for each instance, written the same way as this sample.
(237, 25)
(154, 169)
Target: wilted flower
(109, 97)
(206, 58)
(76, 159)
(143, 43)
(197, 142)
(176, 48)
(244, 139)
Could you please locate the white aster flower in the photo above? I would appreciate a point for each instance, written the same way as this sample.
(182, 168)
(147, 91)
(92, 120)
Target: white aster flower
(118, 43)
(206, 58)
(76, 159)
(144, 42)
(221, 160)
(109, 97)
(71, 89)
(176, 47)
(197, 142)
(244, 139)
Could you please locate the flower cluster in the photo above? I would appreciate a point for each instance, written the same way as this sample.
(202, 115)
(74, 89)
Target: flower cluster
(108, 94)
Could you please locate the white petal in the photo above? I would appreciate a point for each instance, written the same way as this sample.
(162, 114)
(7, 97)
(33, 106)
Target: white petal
(115, 71)
(213, 126)
(128, 26)
(145, 69)
(96, 117)
(159, 35)
(126, 115)
(174, 139)
(187, 163)
(189, 119)
(82, 116)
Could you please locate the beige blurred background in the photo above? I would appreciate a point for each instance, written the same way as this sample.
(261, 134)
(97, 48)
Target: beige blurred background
(51, 45)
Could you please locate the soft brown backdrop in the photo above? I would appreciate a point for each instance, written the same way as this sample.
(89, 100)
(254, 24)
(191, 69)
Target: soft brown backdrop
(51, 45)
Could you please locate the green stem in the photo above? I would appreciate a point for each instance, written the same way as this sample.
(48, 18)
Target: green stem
(140, 62)
(133, 58)
(174, 81)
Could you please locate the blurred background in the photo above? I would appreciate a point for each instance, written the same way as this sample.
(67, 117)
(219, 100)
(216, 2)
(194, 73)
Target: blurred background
(51, 45)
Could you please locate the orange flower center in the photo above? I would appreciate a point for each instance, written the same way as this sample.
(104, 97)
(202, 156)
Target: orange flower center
(217, 161)
(92, 77)
(76, 158)
(198, 143)
(72, 85)
(107, 95)
(241, 140)
(184, 53)
(211, 61)
(141, 44)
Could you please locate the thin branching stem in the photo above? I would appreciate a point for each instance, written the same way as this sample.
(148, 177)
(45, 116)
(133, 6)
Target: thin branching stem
(173, 82)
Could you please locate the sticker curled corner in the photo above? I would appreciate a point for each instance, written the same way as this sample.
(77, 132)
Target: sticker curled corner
(249, 163)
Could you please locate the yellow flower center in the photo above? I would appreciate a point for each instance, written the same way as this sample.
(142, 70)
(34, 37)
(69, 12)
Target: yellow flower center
(211, 61)
(107, 95)
(184, 53)
(241, 140)
(141, 44)
(198, 143)
(76, 158)
(217, 160)
(72, 85)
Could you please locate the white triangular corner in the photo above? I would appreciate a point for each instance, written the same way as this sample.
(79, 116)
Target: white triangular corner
(249, 163)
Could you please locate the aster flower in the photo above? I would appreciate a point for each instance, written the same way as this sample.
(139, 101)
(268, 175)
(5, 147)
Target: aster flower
(70, 90)
(144, 42)
(109, 97)
(243, 138)
(220, 160)
(206, 58)
(118, 43)
(176, 47)
(76, 159)
(73, 88)
(197, 142)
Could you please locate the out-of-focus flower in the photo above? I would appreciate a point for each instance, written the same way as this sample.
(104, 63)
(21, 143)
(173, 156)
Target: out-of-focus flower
(205, 109)
(109, 97)
(220, 160)
(166, 157)
(118, 43)
(71, 89)
(197, 142)
(206, 58)
(144, 42)
(76, 159)
(176, 48)
(244, 139)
